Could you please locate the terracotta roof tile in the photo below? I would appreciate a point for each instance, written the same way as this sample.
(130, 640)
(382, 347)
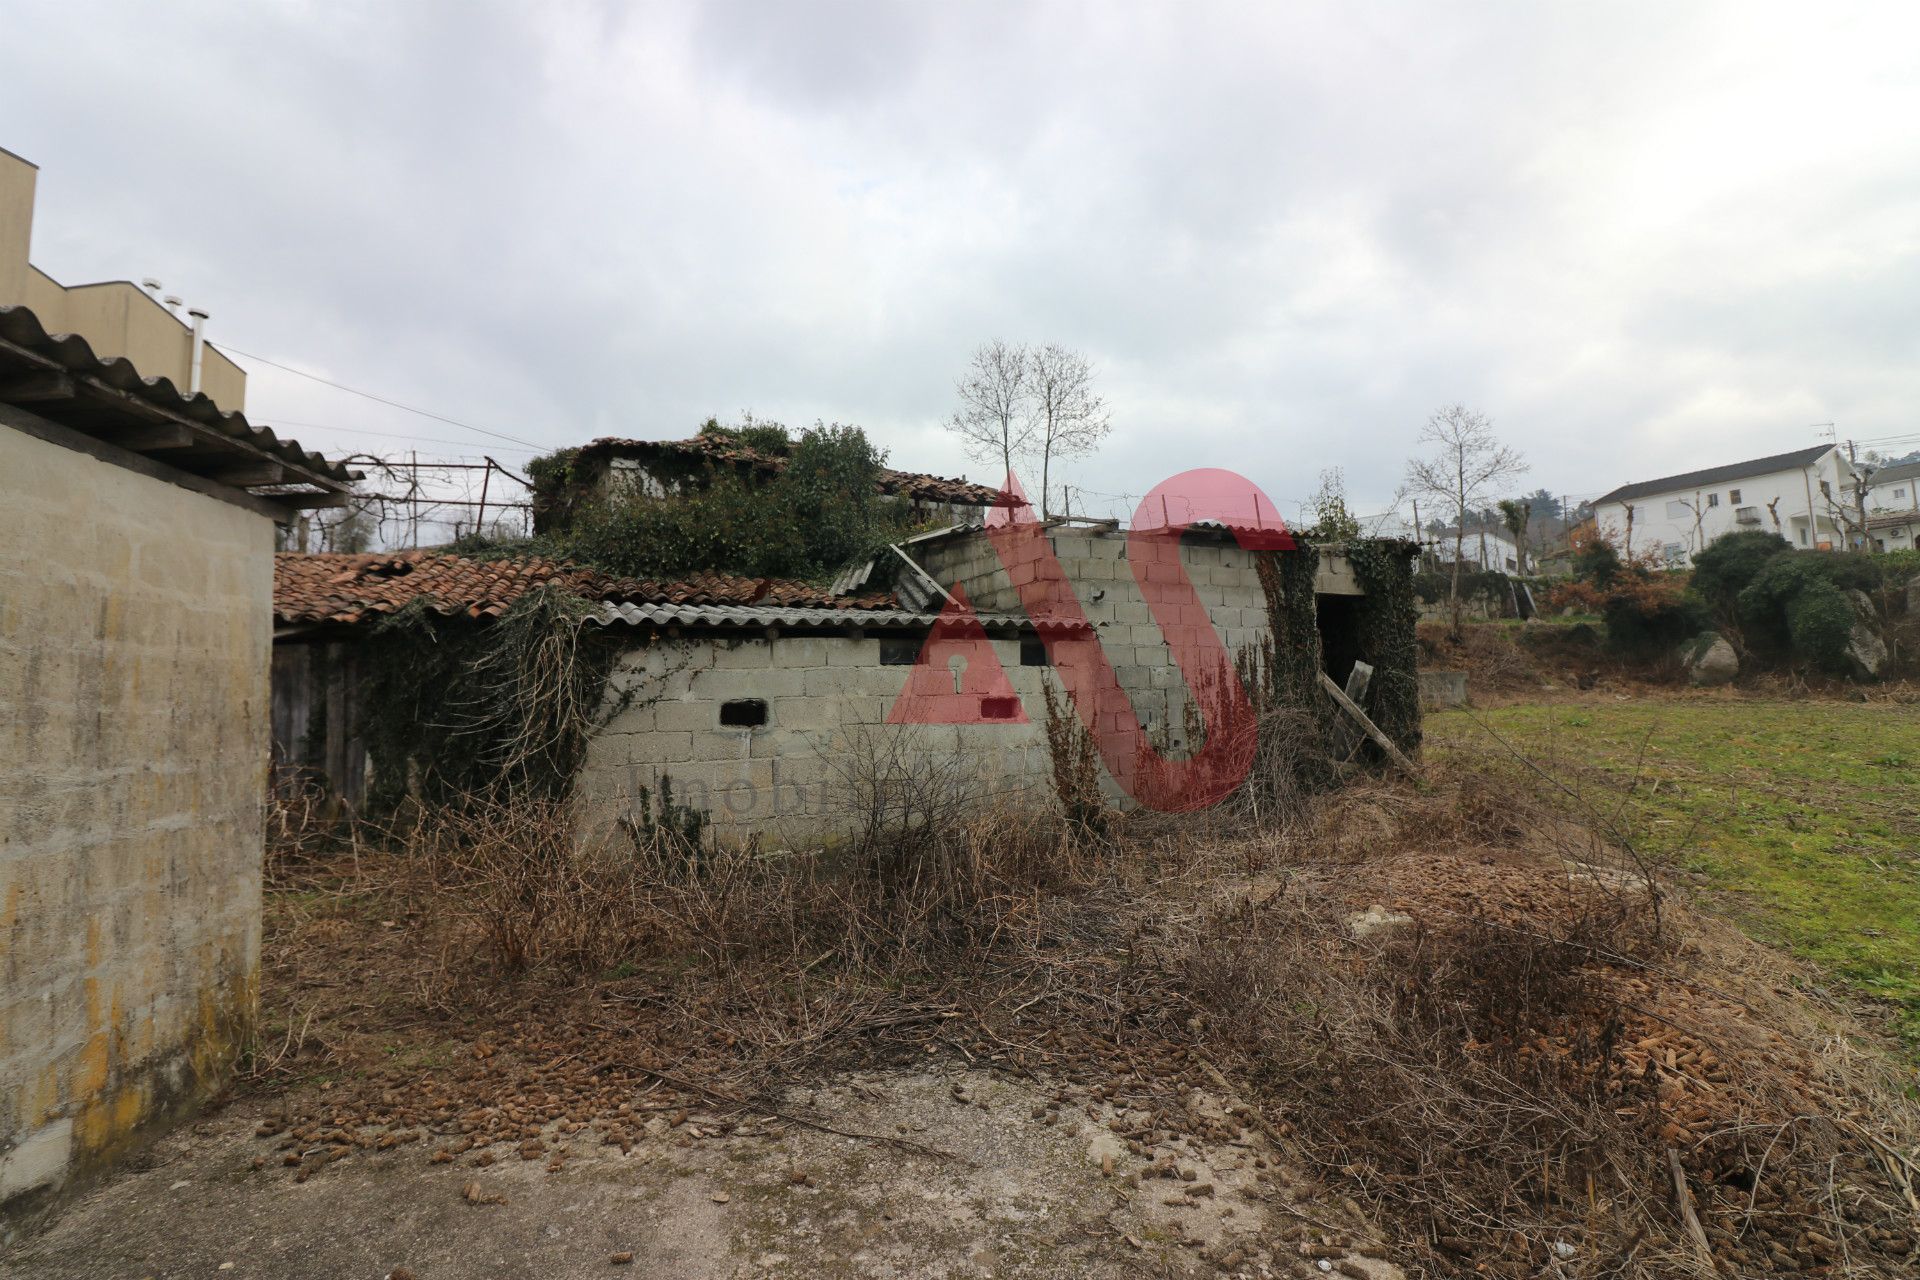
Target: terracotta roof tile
(343, 588)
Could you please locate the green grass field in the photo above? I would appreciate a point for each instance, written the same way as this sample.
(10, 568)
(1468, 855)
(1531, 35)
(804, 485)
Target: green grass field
(1804, 816)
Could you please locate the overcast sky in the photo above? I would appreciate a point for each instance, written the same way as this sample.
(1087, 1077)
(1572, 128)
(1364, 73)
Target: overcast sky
(1642, 237)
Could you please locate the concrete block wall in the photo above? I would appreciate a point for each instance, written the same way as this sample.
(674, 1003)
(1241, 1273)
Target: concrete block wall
(1096, 564)
(135, 628)
(789, 781)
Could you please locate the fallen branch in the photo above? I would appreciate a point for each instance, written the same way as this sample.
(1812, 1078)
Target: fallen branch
(1684, 1198)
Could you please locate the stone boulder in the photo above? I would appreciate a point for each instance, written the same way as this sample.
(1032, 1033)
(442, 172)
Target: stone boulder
(1710, 659)
(1377, 919)
(1913, 597)
(1866, 651)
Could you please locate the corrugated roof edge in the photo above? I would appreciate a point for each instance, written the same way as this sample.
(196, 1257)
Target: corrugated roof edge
(733, 616)
(21, 329)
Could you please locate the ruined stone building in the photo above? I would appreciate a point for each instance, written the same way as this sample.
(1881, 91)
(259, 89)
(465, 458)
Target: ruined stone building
(764, 703)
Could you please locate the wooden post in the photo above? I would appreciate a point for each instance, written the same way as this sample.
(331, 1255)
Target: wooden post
(480, 520)
(1373, 730)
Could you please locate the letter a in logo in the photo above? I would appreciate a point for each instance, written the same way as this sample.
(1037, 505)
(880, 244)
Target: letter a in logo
(957, 678)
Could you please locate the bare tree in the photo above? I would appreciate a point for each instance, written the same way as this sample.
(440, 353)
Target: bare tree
(995, 421)
(1069, 417)
(1468, 461)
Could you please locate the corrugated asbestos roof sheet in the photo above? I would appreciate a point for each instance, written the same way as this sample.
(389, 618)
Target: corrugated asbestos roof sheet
(756, 616)
(345, 588)
(108, 398)
(912, 484)
(1716, 475)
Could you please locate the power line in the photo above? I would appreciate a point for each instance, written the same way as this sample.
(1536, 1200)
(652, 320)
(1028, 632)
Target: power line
(394, 404)
(390, 435)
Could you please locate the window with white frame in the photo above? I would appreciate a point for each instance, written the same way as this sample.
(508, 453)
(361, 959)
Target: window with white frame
(1733, 496)
(1713, 499)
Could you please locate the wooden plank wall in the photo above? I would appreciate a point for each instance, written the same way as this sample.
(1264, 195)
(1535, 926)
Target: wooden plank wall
(316, 706)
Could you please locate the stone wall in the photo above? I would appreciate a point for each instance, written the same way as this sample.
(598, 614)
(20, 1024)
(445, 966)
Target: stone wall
(135, 625)
(827, 699)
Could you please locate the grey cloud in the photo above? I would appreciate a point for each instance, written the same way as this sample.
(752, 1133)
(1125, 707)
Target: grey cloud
(1285, 233)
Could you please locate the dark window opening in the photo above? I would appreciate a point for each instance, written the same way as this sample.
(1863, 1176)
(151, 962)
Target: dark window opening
(896, 652)
(743, 713)
(999, 708)
(1033, 652)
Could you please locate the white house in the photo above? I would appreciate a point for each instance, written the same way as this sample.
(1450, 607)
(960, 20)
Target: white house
(1482, 548)
(1893, 507)
(1798, 495)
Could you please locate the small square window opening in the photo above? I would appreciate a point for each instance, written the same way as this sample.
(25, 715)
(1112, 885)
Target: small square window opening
(896, 651)
(743, 713)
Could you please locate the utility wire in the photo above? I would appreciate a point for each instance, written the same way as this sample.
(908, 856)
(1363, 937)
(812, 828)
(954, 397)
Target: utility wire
(395, 404)
(390, 435)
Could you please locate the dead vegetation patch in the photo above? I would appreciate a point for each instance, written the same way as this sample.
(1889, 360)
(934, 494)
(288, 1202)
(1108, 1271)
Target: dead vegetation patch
(1513, 1072)
(1531, 1060)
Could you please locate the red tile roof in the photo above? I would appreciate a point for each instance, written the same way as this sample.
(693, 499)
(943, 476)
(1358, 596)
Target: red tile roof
(918, 486)
(345, 588)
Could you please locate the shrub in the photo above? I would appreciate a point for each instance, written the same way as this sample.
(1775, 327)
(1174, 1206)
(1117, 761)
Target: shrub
(1794, 609)
(1597, 562)
(820, 512)
(1649, 616)
(1724, 569)
(1899, 567)
(1820, 622)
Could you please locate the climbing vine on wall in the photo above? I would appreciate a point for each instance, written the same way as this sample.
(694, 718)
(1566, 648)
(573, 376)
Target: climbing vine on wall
(1283, 677)
(456, 707)
(1287, 579)
(1387, 614)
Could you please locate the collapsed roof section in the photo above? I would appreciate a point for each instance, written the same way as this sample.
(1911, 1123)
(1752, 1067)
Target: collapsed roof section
(721, 451)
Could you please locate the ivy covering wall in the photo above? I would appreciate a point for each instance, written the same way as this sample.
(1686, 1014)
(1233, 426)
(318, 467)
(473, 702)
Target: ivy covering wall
(1383, 620)
(1387, 614)
(457, 707)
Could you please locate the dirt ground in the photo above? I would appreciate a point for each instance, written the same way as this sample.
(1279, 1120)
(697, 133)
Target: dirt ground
(1003, 1178)
(1191, 1053)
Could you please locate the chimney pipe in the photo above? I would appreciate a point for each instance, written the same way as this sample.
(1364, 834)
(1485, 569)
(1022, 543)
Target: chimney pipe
(171, 302)
(152, 286)
(199, 347)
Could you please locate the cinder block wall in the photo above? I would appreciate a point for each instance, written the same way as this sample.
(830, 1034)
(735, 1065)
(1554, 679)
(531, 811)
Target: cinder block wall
(828, 698)
(1095, 562)
(135, 628)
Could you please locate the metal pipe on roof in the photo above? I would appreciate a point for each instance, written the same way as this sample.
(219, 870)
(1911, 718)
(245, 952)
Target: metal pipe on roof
(199, 347)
